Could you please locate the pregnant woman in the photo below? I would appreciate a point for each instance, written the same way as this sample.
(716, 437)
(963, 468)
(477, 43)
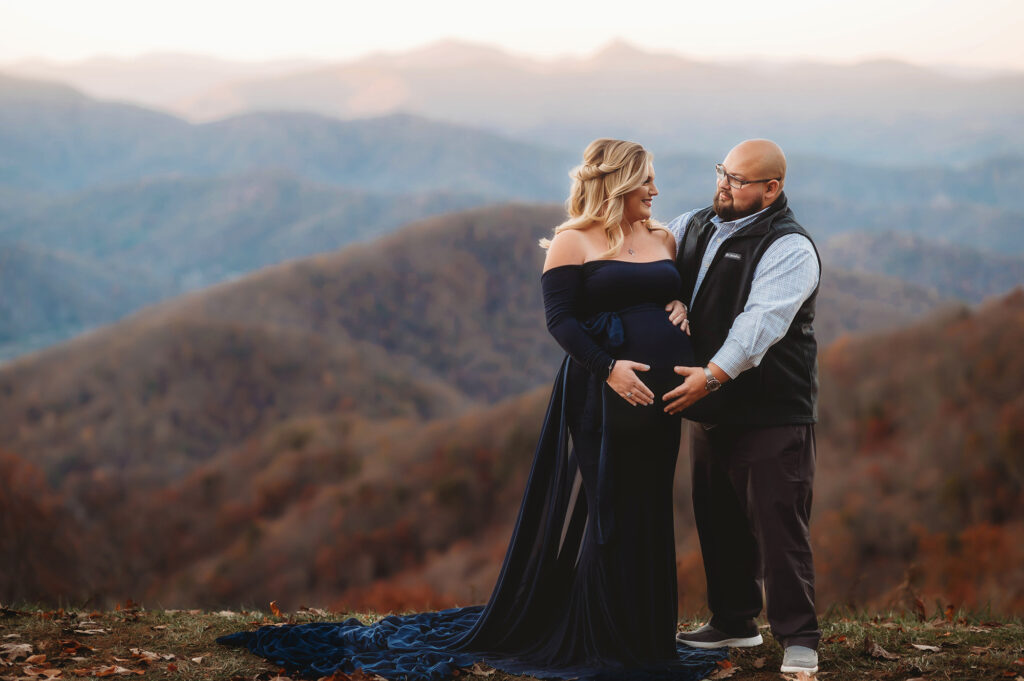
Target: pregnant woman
(588, 585)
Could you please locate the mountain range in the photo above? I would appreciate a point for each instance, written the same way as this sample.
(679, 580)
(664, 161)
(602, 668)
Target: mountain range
(154, 80)
(354, 428)
(282, 338)
(166, 206)
(875, 111)
(457, 296)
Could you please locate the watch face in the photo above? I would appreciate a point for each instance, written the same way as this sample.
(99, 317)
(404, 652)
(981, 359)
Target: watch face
(711, 383)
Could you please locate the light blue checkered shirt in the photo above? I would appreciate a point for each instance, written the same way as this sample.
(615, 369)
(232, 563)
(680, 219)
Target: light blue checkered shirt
(783, 279)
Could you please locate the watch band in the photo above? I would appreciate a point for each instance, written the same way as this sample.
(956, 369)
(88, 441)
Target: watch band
(712, 383)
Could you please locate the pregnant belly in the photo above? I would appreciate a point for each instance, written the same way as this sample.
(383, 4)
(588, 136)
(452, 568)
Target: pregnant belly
(652, 339)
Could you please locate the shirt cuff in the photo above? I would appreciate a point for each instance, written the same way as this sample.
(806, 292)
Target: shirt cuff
(732, 359)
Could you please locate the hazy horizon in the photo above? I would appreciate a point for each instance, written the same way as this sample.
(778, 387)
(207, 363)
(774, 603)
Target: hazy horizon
(946, 34)
(299, 62)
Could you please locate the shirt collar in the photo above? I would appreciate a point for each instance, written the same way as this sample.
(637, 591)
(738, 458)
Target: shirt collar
(739, 222)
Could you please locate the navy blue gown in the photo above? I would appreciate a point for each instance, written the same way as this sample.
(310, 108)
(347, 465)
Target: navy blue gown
(587, 589)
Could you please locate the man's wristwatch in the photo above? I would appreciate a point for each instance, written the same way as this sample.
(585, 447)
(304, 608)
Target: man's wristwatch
(713, 383)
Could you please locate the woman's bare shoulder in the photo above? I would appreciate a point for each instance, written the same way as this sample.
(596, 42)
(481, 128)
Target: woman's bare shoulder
(568, 247)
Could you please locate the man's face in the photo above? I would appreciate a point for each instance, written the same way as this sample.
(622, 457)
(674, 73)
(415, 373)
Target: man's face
(733, 203)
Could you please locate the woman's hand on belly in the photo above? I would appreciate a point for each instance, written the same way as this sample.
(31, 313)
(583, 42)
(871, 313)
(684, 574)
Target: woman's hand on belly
(624, 381)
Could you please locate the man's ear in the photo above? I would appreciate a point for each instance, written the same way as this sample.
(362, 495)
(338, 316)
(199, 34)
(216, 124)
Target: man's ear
(774, 188)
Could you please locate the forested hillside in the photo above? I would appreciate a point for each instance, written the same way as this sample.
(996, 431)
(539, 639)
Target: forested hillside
(357, 426)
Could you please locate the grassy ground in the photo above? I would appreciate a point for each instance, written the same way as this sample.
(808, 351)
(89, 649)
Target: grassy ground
(37, 644)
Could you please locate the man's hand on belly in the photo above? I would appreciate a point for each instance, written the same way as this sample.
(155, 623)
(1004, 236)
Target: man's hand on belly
(693, 387)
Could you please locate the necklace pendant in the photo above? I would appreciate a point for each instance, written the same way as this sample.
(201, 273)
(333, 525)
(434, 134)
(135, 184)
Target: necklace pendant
(631, 251)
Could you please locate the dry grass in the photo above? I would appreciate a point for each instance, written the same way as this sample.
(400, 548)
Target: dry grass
(177, 644)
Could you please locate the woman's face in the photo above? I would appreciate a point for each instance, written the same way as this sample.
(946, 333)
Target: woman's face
(636, 205)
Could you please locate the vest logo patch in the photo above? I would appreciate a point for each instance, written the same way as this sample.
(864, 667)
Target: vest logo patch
(733, 256)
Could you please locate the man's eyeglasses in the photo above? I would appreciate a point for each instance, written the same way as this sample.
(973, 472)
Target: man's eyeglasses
(735, 182)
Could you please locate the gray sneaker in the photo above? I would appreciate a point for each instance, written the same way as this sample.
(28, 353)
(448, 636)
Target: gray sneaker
(800, 659)
(709, 637)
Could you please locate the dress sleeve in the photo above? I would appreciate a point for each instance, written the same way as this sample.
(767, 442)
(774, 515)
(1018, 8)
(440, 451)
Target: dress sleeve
(562, 288)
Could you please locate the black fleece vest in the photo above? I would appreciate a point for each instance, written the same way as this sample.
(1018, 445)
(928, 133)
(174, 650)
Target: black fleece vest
(783, 389)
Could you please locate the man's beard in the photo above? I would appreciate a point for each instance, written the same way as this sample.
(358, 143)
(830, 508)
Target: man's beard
(728, 213)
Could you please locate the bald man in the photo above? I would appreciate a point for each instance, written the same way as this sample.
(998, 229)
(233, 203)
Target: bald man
(750, 277)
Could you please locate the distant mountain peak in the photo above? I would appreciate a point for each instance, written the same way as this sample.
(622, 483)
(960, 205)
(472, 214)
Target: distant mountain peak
(621, 53)
(620, 48)
(453, 52)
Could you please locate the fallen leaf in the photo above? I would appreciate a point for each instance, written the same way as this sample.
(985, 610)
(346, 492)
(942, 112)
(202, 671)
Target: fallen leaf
(149, 656)
(198, 660)
(73, 647)
(725, 670)
(36, 659)
(114, 670)
(477, 670)
(91, 632)
(274, 609)
(14, 651)
(759, 663)
(335, 676)
(875, 650)
(980, 650)
(835, 639)
(171, 667)
(158, 627)
(930, 649)
(357, 675)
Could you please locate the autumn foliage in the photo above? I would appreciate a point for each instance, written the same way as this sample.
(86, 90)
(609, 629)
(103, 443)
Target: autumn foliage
(334, 432)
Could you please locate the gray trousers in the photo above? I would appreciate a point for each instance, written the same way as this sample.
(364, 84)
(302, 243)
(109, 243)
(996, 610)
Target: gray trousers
(752, 503)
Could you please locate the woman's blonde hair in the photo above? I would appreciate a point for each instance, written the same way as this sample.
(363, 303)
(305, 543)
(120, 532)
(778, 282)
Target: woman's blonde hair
(610, 170)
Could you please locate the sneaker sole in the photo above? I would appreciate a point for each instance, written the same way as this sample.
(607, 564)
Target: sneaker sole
(748, 642)
(795, 670)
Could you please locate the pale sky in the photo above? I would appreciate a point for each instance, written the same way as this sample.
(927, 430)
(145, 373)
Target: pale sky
(972, 33)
